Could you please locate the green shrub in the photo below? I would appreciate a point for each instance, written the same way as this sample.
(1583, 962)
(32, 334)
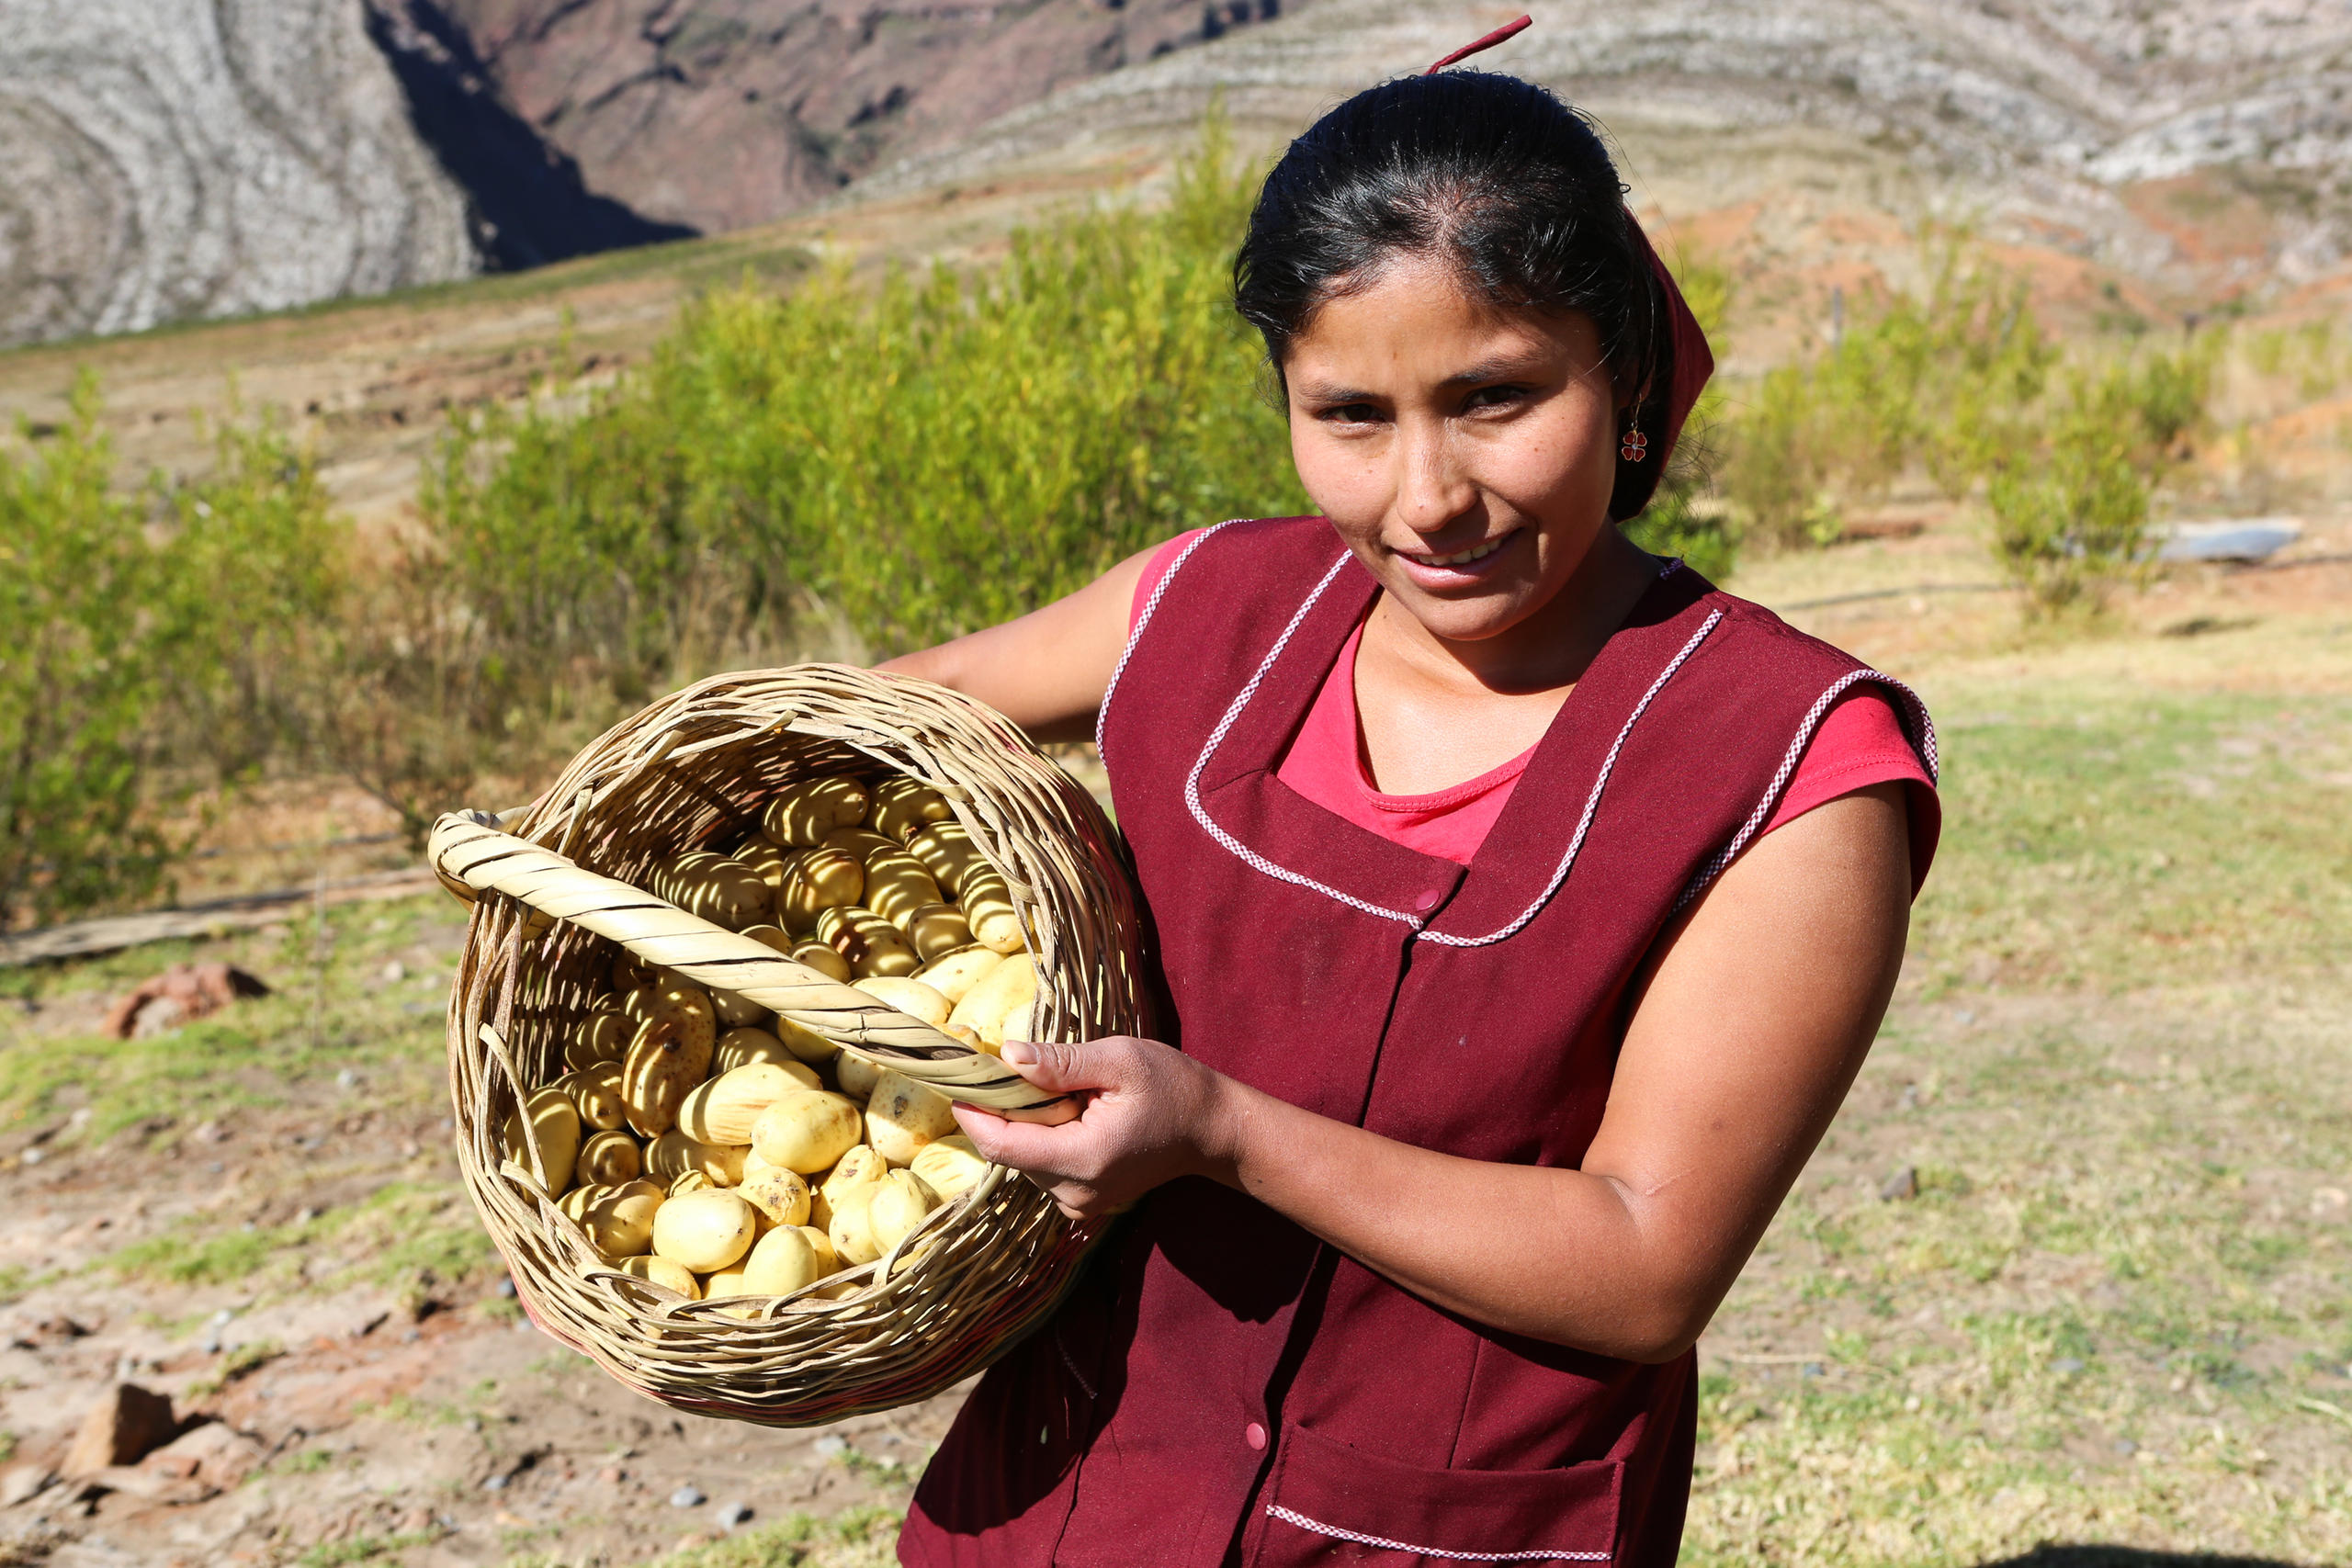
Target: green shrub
(145, 637)
(1941, 382)
(863, 468)
(2070, 498)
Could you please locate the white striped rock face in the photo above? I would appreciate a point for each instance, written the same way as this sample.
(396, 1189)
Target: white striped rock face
(169, 159)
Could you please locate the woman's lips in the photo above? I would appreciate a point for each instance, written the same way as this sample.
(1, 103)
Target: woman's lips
(1455, 568)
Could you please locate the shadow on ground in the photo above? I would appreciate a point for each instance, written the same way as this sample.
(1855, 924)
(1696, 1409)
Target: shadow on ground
(2131, 1557)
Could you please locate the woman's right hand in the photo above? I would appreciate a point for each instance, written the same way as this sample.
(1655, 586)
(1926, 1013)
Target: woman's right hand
(1048, 671)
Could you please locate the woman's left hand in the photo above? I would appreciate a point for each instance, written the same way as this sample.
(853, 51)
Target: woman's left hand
(1150, 1114)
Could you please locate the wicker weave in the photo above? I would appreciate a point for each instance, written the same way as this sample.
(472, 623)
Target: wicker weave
(694, 770)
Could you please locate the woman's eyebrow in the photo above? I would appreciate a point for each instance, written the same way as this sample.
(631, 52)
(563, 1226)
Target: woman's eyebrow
(1499, 368)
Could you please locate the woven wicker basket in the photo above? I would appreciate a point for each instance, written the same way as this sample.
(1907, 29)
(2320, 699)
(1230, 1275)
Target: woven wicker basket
(552, 906)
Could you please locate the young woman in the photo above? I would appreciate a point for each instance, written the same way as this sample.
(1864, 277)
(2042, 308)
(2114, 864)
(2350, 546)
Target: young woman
(1525, 905)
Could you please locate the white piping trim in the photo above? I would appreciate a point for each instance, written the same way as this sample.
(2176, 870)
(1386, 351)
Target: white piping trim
(1071, 1363)
(1924, 745)
(1592, 804)
(1292, 1516)
(1247, 855)
(1135, 634)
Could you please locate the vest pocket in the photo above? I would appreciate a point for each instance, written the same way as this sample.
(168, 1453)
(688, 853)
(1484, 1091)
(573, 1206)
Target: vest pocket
(1328, 1504)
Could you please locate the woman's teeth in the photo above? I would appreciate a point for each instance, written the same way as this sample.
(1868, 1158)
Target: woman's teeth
(1460, 557)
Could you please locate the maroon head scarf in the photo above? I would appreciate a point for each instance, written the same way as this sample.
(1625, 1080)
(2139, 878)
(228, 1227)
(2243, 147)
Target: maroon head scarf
(1694, 360)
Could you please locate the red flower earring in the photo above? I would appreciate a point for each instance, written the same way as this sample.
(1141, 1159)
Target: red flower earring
(1635, 446)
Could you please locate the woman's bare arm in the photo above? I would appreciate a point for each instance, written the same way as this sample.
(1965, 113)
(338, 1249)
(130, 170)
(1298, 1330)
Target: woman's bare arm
(1047, 671)
(1751, 1028)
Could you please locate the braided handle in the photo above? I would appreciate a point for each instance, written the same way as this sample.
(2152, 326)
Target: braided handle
(465, 853)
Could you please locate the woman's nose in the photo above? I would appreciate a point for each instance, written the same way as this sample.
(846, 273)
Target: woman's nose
(1432, 489)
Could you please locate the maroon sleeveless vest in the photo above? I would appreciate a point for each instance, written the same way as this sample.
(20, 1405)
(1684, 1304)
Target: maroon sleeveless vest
(1224, 1388)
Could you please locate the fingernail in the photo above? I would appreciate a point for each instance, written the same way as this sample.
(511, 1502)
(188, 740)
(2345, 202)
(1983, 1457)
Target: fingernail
(1020, 1053)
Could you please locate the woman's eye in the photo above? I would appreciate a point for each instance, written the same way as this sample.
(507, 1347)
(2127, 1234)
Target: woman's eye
(1353, 414)
(1497, 397)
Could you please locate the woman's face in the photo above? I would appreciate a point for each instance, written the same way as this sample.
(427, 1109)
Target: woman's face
(1466, 455)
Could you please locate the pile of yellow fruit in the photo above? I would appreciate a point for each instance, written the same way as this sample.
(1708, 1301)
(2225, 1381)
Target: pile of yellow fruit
(711, 1147)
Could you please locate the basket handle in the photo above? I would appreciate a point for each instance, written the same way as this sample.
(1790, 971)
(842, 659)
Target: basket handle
(465, 853)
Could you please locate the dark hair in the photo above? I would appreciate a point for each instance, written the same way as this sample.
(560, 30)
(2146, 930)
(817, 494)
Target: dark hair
(1495, 176)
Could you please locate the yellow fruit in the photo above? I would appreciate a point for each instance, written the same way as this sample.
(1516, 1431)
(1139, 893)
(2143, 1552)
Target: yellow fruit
(901, 804)
(737, 1011)
(865, 845)
(856, 1076)
(898, 1206)
(661, 1271)
(722, 1110)
(806, 1044)
(801, 815)
(608, 1159)
(787, 1259)
(963, 1035)
(807, 1131)
(820, 880)
(937, 929)
(859, 1168)
(1011, 985)
(946, 851)
(602, 1037)
(725, 892)
(553, 1132)
(629, 971)
(702, 1230)
(674, 1153)
(670, 1056)
(767, 859)
(620, 1222)
(902, 1115)
(725, 1282)
(909, 995)
(595, 1092)
(850, 1228)
(690, 1180)
(575, 1203)
(987, 901)
(781, 1196)
(897, 884)
(817, 955)
(951, 1165)
(952, 975)
(871, 944)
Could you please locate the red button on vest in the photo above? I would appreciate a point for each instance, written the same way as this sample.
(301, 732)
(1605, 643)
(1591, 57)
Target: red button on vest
(1254, 1434)
(1425, 902)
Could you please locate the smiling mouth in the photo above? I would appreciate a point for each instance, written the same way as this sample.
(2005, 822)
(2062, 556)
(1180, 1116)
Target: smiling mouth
(1460, 557)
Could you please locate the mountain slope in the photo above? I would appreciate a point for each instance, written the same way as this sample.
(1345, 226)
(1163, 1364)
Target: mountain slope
(177, 158)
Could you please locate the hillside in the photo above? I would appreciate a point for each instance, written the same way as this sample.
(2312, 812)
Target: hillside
(2196, 147)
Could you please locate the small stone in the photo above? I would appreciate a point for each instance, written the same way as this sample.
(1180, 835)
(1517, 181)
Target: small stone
(2068, 1364)
(610, 1475)
(687, 1497)
(126, 1421)
(506, 1287)
(23, 1483)
(34, 1156)
(211, 1344)
(1904, 1184)
(1813, 1369)
(730, 1514)
(2126, 1447)
(832, 1446)
(395, 972)
(494, 1483)
(346, 1079)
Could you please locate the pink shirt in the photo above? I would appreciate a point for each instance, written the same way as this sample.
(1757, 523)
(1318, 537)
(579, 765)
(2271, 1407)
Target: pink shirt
(1860, 743)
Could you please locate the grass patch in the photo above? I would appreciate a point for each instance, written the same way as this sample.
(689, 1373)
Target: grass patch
(856, 1537)
(2121, 837)
(364, 1549)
